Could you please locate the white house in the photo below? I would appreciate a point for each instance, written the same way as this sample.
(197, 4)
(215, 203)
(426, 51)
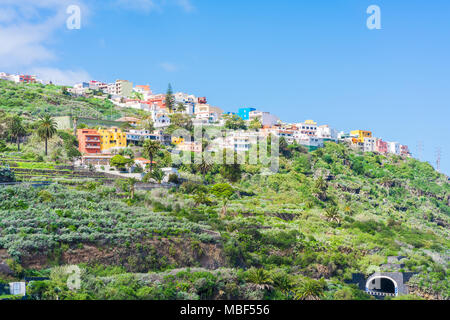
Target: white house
(207, 117)
(370, 144)
(266, 118)
(393, 147)
(327, 133)
(309, 127)
(311, 142)
(161, 120)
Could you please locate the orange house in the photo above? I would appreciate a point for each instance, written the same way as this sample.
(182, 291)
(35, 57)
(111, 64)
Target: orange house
(88, 141)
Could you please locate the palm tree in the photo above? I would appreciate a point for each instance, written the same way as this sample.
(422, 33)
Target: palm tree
(16, 129)
(260, 278)
(204, 167)
(46, 129)
(131, 184)
(332, 214)
(151, 148)
(157, 175)
(309, 290)
(321, 189)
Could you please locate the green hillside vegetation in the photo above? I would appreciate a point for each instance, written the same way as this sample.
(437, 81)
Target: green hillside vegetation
(225, 231)
(281, 233)
(32, 100)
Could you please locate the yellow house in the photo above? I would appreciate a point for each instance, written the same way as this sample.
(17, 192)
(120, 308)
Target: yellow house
(361, 134)
(177, 140)
(312, 122)
(112, 138)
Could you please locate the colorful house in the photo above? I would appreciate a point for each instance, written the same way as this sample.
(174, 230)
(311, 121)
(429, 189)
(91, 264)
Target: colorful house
(88, 141)
(309, 128)
(381, 146)
(404, 150)
(359, 135)
(177, 140)
(112, 138)
(244, 113)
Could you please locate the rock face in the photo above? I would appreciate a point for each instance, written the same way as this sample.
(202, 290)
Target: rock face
(4, 268)
(428, 295)
(137, 257)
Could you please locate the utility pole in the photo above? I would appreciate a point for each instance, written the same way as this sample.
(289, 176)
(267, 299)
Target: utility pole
(419, 149)
(438, 158)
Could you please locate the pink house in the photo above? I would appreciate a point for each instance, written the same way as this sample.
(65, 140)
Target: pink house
(381, 146)
(404, 150)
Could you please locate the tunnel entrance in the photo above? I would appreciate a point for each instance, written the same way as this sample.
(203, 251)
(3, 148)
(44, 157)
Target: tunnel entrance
(382, 286)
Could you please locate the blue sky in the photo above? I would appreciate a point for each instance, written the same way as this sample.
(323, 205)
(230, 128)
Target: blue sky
(297, 59)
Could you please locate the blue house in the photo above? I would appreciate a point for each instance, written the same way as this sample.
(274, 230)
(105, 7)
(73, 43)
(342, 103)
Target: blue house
(244, 113)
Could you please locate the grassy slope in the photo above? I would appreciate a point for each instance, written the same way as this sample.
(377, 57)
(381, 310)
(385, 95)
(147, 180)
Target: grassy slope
(34, 99)
(387, 206)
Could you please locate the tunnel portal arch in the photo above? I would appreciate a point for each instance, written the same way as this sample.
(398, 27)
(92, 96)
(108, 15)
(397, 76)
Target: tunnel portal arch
(381, 285)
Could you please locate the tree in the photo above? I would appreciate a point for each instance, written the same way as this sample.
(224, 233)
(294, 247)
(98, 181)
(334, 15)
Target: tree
(235, 123)
(16, 129)
(149, 125)
(7, 175)
(46, 129)
(201, 197)
(170, 99)
(119, 162)
(181, 107)
(131, 184)
(127, 152)
(151, 148)
(321, 188)
(284, 148)
(233, 171)
(137, 95)
(3, 146)
(255, 124)
(204, 167)
(309, 290)
(179, 120)
(157, 175)
(64, 91)
(224, 192)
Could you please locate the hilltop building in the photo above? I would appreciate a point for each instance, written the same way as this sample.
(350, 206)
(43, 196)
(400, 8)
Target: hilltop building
(244, 113)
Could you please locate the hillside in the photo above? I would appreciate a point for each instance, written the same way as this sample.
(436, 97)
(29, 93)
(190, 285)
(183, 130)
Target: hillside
(302, 231)
(31, 100)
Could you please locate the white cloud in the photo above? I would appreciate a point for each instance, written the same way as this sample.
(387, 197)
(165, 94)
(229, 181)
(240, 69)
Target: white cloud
(27, 28)
(61, 77)
(169, 67)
